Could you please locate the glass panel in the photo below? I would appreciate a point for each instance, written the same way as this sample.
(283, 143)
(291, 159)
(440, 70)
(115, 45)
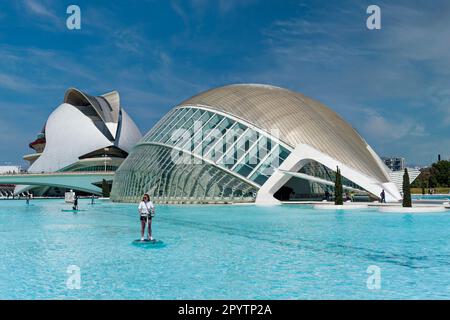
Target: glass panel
(224, 143)
(170, 124)
(253, 156)
(206, 132)
(272, 162)
(244, 170)
(216, 139)
(260, 179)
(164, 125)
(193, 137)
(236, 139)
(160, 123)
(178, 127)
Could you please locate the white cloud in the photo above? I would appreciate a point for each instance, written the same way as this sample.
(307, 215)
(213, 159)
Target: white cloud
(201, 6)
(379, 128)
(226, 6)
(38, 8)
(42, 11)
(15, 83)
(440, 97)
(28, 69)
(129, 40)
(290, 29)
(180, 11)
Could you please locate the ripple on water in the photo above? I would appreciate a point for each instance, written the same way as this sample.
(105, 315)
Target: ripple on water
(239, 252)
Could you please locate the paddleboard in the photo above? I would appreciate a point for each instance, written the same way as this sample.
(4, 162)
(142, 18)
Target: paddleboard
(71, 210)
(149, 243)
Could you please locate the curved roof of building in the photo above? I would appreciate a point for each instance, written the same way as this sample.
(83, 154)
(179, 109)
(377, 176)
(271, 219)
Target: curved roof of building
(107, 106)
(298, 118)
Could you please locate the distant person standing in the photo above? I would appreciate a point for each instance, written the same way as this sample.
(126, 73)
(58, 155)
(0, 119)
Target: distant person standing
(92, 199)
(75, 203)
(146, 211)
(347, 197)
(327, 195)
(28, 199)
(383, 196)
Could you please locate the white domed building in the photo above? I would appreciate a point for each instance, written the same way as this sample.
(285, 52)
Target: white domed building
(250, 143)
(85, 133)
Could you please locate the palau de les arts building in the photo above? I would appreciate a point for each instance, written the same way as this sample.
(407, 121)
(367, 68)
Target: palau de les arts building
(84, 134)
(234, 144)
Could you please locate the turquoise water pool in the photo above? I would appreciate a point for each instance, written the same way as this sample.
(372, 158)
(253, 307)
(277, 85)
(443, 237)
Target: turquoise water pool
(221, 252)
(431, 197)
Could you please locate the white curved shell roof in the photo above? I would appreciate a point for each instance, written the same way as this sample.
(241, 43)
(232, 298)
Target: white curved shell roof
(107, 106)
(69, 134)
(129, 133)
(72, 131)
(298, 118)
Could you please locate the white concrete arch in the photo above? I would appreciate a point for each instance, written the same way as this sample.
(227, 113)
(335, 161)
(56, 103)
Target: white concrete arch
(301, 155)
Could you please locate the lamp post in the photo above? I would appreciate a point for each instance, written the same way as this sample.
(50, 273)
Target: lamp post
(105, 149)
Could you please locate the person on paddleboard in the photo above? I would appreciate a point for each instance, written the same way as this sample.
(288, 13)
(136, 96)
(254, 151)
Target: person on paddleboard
(75, 204)
(146, 211)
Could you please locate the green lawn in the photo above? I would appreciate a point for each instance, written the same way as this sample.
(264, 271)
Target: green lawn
(435, 190)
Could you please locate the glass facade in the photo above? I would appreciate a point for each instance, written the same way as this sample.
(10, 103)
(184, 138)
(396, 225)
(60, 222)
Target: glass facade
(299, 189)
(197, 155)
(153, 170)
(315, 169)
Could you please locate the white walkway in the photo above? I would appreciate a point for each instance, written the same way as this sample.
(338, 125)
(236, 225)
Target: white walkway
(82, 181)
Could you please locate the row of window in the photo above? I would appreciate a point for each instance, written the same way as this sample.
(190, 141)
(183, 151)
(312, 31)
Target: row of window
(221, 140)
(94, 168)
(166, 180)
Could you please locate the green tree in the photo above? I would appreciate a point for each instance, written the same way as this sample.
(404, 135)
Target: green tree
(406, 190)
(432, 181)
(338, 190)
(422, 184)
(440, 174)
(423, 178)
(105, 189)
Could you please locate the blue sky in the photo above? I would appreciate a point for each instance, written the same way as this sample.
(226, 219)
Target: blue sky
(392, 85)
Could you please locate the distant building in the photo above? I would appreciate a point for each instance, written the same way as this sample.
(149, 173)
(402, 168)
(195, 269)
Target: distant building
(10, 169)
(84, 134)
(7, 190)
(397, 165)
(394, 163)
